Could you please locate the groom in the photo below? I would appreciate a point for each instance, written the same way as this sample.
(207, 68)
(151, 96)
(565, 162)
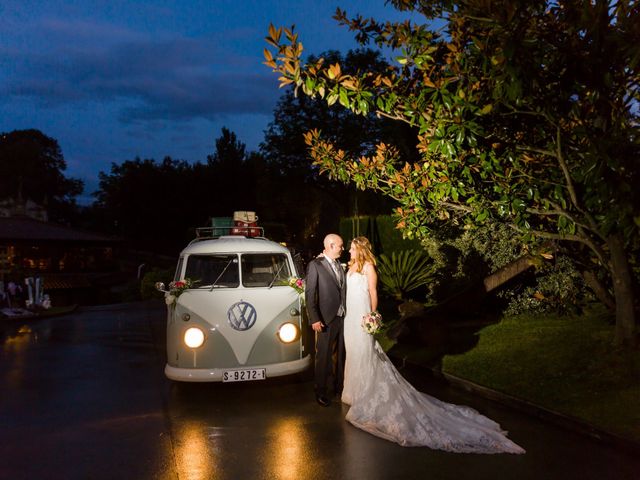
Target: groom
(325, 294)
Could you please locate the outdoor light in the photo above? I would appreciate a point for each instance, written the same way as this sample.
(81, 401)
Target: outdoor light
(193, 337)
(288, 333)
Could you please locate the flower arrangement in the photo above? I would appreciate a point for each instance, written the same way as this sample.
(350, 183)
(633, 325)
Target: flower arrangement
(176, 289)
(297, 284)
(372, 323)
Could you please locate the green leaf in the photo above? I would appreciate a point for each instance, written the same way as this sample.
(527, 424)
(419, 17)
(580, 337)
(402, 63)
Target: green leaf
(448, 149)
(363, 106)
(310, 83)
(486, 109)
(344, 98)
(482, 215)
(518, 205)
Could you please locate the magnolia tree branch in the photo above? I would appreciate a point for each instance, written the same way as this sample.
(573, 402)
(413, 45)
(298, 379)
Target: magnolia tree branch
(559, 211)
(593, 226)
(584, 239)
(458, 207)
(380, 113)
(565, 170)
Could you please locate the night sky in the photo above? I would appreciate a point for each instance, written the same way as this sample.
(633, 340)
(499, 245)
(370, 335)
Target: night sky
(112, 80)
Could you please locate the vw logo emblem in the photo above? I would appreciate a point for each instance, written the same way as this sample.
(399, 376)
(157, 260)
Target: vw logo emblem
(242, 316)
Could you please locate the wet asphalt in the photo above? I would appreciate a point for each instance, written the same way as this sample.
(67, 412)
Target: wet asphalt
(83, 396)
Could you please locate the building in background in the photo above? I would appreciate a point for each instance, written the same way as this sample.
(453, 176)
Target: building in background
(76, 266)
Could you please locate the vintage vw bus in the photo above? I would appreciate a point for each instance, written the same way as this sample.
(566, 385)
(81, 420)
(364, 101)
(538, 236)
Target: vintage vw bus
(239, 320)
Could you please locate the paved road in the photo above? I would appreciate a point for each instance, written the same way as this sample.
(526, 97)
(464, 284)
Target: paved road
(83, 397)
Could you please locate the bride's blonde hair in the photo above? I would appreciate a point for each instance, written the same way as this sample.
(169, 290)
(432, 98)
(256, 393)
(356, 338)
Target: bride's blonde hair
(363, 253)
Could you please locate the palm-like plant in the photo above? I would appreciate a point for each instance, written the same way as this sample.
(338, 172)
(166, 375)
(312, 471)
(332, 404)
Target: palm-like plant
(405, 271)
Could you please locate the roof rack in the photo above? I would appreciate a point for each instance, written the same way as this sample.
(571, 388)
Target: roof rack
(212, 233)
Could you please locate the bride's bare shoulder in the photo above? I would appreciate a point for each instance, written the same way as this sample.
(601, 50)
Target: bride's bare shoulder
(368, 267)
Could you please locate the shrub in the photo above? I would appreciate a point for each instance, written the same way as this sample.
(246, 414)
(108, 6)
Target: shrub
(557, 287)
(464, 257)
(405, 271)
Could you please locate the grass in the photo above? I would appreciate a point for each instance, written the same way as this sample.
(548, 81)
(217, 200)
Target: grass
(564, 363)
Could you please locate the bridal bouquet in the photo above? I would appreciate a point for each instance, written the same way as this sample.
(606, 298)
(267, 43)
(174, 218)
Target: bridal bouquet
(372, 323)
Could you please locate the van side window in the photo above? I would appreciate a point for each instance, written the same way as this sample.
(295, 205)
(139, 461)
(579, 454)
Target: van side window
(213, 270)
(264, 269)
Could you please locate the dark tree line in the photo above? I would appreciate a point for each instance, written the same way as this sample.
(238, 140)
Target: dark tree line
(157, 205)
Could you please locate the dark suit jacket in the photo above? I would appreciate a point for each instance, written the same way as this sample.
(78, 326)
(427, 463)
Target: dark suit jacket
(323, 293)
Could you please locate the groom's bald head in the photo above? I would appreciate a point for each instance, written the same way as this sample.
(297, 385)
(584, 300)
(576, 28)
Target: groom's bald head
(333, 246)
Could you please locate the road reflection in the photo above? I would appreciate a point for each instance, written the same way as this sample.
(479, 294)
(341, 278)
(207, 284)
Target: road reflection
(287, 458)
(14, 348)
(195, 452)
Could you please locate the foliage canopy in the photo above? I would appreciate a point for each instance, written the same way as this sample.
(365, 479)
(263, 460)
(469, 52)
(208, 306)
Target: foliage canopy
(527, 113)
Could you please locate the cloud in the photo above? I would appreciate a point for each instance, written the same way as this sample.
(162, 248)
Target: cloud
(159, 77)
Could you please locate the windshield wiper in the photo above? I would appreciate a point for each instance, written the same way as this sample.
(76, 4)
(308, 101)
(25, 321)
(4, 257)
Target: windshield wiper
(276, 274)
(213, 285)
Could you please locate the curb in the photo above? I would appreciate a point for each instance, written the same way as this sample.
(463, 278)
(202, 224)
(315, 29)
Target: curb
(565, 421)
(123, 305)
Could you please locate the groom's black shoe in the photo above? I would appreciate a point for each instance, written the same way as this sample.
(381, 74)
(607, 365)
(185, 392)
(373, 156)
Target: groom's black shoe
(323, 400)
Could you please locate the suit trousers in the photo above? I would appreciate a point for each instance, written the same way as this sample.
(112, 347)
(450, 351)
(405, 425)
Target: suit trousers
(330, 344)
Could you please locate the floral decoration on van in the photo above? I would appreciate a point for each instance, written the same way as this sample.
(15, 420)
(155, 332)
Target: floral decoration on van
(176, 289)
(297, 284)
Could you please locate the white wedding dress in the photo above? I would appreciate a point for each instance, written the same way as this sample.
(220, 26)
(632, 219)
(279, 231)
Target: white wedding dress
(384, 404)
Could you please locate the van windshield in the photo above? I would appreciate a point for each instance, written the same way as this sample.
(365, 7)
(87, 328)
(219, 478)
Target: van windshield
(264, 269)
(213, 270)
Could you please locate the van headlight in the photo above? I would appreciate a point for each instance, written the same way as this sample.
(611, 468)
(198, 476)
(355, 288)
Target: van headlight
(288, 333)
(193, 337)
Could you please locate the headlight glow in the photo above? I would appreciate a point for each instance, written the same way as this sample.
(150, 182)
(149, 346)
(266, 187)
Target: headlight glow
(193, 337)
(288, 333)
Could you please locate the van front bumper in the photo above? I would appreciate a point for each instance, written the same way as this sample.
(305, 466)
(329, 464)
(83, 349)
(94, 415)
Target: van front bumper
(215, 374)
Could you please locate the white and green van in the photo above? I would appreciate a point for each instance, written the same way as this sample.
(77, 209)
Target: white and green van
(238, 320)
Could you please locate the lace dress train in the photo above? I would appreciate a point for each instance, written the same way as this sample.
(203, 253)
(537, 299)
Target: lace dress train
(384, 404)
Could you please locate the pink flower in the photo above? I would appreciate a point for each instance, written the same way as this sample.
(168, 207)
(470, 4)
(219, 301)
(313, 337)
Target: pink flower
(372, 323)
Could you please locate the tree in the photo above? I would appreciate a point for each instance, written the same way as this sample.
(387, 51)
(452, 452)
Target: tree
(31, 167)
(527, 113)
(147, 203)
(157, 206)
(291, 174)
(231, 183)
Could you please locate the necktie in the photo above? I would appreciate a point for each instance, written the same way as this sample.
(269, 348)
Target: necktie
(335, 265)
(336, 271)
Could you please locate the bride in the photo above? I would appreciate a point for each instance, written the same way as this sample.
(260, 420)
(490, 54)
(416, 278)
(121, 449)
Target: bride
(382, 402)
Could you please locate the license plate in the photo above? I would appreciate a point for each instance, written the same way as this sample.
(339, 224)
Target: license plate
(244, 375)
